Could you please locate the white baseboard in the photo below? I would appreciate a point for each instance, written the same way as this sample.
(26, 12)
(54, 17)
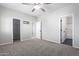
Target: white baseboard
(6, 43)
(75, 46)
(26, 39)
(33, 37)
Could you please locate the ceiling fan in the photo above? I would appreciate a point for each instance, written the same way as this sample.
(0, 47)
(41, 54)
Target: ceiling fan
(37, 6)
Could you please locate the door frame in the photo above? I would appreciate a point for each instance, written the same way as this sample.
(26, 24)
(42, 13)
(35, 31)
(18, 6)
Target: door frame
(72, 28)
(61, 30)
(41, 30)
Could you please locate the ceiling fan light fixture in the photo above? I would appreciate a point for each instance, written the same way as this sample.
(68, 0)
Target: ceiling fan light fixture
(37, 7)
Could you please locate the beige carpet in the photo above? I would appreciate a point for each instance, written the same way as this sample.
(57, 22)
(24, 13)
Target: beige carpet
(37, 48)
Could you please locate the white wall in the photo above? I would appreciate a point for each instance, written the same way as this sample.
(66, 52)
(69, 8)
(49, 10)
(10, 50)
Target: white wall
(51, 24)
(6, 25)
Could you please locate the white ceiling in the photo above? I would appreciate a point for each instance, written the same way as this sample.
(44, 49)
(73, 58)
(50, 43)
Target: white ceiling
(28, 8)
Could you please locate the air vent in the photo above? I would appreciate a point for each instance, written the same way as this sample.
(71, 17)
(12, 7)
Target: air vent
(26, 22)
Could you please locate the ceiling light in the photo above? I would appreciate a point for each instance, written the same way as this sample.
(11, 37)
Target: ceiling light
(37, 7)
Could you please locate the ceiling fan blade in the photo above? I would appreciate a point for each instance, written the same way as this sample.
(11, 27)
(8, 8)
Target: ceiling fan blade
(47, 3)
(28, 3)
(36, 3)
(33, 9)
(43, 9)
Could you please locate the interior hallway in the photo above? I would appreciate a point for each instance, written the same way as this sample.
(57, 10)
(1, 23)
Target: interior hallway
(36, 47)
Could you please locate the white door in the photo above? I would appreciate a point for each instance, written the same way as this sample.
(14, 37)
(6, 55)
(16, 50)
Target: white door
(38, 30)
(63, 25)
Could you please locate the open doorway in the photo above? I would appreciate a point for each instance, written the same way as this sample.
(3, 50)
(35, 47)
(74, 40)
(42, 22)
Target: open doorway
(16, 30)
(66, 36)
